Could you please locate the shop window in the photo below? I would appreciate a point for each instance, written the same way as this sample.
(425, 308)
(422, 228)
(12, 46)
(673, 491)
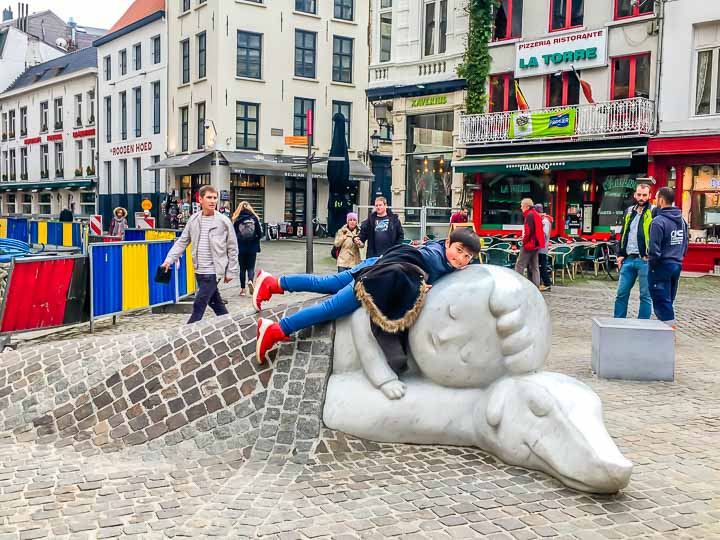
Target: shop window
(502, 93)
(631, 77)
(250, 188)
(435, 27)
(385, 47)
(615, 193)
(27, 203)
(633, 8)
(701, 202)
(295, 200)
(502, 193)
(87, 203)
(562, 90)
(508, 20)
(45, 204)
(707, 82)
(430, 133)
(566, 14)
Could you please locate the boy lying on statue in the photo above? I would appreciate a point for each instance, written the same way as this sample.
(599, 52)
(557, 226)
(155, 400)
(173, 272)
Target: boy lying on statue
(391, 288)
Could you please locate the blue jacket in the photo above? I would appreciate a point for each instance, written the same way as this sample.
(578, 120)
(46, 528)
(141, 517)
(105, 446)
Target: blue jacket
(668, 236)
(436, 263)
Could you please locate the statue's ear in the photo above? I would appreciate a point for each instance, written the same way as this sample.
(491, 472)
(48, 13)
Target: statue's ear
(496, 401)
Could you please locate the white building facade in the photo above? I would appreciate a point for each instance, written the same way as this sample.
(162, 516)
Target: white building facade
(132, 73)
(416, 98)
(686, 153)
(250, 70)
(19, 51)
(48, 148)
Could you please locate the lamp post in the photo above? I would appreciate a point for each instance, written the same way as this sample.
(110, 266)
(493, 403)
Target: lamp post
(208, 123)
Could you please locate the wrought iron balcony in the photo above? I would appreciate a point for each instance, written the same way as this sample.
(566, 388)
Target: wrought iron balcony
(609, 119)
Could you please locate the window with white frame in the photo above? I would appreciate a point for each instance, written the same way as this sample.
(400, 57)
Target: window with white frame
(707, 82)
(44, 116)
(156, 49)
(58, 113)
(11, 208)
(78, 158)
(44, 161)
(45, 204)
(137, 57)
(87, 203)
(11, 124)
(4, 166)
(91, 107)
(59, 161)
(90, 170)
(122, 61)
(23, 121)
(23, 164)
(27, 203)
(435, 15)
(385, 27)
(138, 175)
(78, 110)
(108, 176)
(4, 127)
(13, 169)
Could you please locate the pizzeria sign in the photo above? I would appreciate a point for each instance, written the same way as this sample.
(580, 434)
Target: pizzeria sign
(545, 56)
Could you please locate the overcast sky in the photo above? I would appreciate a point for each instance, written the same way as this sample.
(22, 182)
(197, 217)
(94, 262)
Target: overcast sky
(96, 13)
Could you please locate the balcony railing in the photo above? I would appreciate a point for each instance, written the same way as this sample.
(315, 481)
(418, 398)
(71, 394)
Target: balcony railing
(621, 118)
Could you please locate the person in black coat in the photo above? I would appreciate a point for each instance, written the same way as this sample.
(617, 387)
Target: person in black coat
(66, 216)
(248, 232)
(382, 230)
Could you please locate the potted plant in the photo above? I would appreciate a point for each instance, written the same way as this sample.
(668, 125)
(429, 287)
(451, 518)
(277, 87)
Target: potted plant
(91, 120)
(58, 173)
(58, 125)
(78, 122)
(43, 127)
(23, 132)
(4, 136)
(90, 171)
(4, 177)
(12, 134)
(78, 172)
(23, 176)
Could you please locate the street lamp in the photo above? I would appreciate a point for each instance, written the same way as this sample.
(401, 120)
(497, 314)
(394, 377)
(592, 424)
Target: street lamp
(375, 140)
(207, 124)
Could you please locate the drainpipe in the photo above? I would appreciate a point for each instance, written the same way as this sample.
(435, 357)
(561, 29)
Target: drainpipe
(658, 70)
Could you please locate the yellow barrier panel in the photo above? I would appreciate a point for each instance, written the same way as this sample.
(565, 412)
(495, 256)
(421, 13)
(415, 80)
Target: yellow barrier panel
(67, 234)
(42, 232)
(3, 227)
(190, 271)
(135, 284)
(152, 234)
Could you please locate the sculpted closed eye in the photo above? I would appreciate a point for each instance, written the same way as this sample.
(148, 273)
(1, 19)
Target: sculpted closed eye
(452, 312)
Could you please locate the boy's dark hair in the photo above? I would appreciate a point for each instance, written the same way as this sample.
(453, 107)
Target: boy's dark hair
(467, 238)
(667, 194)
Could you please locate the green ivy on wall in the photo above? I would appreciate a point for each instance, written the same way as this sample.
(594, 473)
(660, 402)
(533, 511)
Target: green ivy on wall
(475, 66)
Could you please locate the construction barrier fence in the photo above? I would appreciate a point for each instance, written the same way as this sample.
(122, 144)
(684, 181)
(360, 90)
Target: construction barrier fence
(134, 235)
(58, 233)
(45, 292)
(122, 277)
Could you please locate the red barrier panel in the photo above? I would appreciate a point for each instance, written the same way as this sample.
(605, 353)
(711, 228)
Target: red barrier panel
(44, 293)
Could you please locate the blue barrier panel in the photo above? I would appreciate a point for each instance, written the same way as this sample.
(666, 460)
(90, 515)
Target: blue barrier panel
(106, 278)
(18, 229)
(34, 232)
(77, 234)
(160, 292)
(134, 235)
(182, 276)
(54, 233)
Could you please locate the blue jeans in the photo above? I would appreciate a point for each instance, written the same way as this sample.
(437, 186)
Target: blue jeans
(342, 302)
(631, 270)
(663, 280)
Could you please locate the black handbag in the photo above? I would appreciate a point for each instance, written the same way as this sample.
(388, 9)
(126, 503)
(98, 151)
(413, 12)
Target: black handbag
(162, 275)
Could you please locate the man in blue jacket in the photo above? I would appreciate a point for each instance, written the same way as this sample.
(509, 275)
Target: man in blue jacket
(668, 245)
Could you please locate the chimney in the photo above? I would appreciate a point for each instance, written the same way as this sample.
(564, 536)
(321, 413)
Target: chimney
(7, 14)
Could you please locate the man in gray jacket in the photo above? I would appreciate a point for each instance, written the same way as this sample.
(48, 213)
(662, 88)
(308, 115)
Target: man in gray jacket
(214, 253)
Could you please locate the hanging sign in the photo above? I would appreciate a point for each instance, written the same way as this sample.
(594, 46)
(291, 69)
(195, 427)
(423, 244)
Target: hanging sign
(581, 50)
(526, 125)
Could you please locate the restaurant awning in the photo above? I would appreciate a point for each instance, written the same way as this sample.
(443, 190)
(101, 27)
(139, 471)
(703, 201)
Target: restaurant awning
(177, 161)
(59, 184)
(553, 160)
(290, 166)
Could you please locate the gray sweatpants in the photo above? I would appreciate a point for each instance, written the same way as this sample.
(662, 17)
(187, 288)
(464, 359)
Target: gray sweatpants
(529, 260)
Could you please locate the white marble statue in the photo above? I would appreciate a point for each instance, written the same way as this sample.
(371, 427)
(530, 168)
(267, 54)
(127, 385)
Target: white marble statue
(473, 381)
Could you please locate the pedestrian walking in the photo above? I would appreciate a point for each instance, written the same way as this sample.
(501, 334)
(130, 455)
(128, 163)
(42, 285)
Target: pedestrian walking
(632, 258)
(348, 252)
(118, 223)
(381, 230)
(214, 253)
(533, 240)
(543, 258)
(66, 215)
(248, 232)
(668, 246)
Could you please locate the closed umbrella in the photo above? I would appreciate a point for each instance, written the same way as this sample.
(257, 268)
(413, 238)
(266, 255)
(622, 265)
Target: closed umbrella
(342, 191)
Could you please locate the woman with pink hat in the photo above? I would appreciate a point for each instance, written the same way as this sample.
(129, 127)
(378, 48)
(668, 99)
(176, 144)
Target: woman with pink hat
(346, 250)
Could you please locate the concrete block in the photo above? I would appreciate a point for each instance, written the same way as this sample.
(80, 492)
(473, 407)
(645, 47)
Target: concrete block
(633, 349)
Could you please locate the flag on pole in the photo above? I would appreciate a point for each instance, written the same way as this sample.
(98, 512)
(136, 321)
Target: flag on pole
(586, 88)
(520, 98)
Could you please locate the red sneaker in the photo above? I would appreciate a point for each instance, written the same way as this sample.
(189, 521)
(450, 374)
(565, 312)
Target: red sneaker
(269, 333)
(264, 286)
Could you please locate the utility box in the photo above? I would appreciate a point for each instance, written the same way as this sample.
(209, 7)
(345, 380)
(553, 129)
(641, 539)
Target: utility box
(633, 349)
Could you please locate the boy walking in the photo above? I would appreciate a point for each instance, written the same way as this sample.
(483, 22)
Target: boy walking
(214, 253)
(392, 288)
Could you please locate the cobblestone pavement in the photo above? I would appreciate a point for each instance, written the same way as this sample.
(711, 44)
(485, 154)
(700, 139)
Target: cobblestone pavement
(276, 473)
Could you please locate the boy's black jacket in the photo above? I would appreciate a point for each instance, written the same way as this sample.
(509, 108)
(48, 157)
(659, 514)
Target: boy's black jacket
(393, 289)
